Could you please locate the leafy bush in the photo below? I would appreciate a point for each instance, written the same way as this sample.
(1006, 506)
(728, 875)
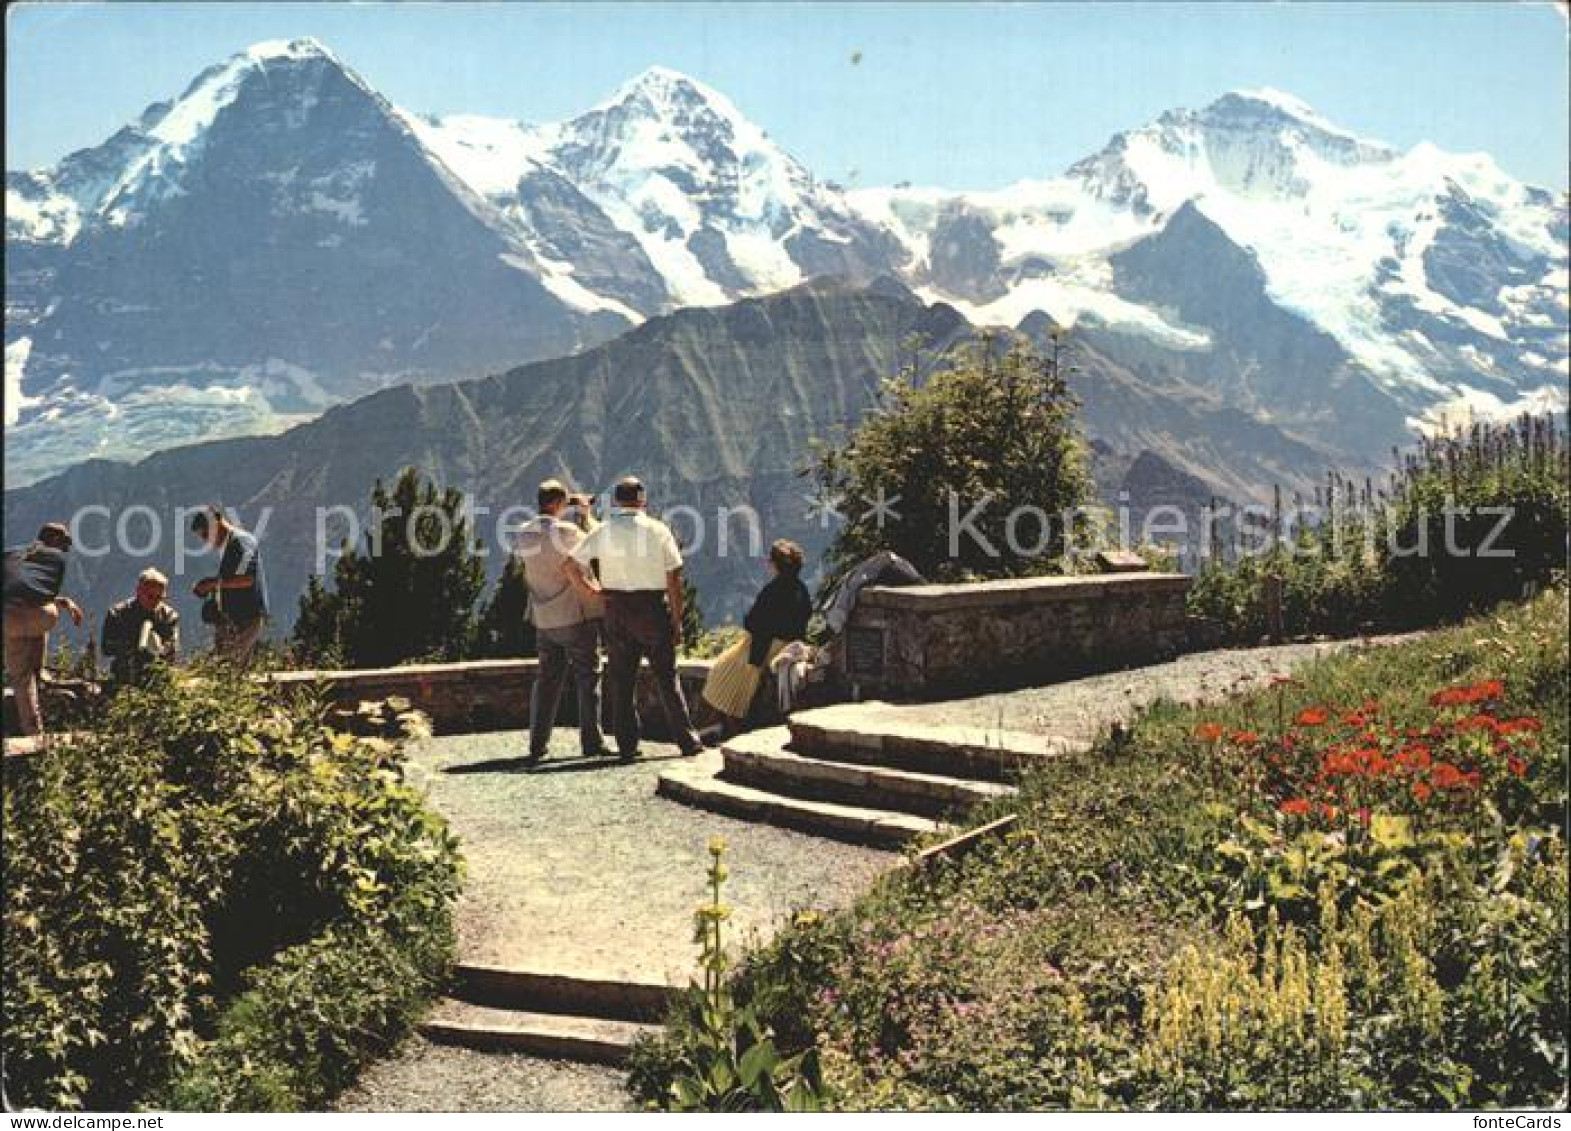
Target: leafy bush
(986, 427)
(1245, 904)
(213, 866)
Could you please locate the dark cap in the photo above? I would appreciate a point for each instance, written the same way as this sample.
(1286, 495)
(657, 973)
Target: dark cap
(55, 534)
(203, 520)
(628, 490)
(551, 491)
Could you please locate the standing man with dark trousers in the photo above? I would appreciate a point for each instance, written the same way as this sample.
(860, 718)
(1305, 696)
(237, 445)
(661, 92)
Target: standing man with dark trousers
(566, 610)
(641, 576)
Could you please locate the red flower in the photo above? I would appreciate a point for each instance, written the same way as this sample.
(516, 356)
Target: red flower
(1208, 732)
(1414, 756)
(1421, 790)
(1517, 767)
(1477, 722)
(1447, 776)
(1295, 807)
(1461, 696)
(1245, 737)
(1313, 716)
(1525, 725)
(1337, 761)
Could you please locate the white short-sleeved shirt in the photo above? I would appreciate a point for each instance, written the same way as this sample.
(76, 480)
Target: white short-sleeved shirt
(635, 552)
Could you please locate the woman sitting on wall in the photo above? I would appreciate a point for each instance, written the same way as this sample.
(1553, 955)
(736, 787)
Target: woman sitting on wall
(778, 616)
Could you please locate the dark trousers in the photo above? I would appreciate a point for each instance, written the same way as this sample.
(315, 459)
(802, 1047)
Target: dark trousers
(576, 649)
(638, 626)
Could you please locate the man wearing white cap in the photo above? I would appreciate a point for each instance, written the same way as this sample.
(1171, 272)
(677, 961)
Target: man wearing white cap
(141, 630)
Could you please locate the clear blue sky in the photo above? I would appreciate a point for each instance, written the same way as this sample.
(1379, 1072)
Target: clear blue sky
(962, 95)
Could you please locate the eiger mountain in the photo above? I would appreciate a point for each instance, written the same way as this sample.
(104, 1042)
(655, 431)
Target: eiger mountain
(279, 239)
(274, 241)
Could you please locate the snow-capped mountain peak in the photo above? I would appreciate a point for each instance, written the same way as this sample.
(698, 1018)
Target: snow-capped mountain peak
(144, 161)
(279, 171)
(304, 47)
(671, 96)
(1261, 144)
(712, 201)
(1288, 104)
(1437, 273)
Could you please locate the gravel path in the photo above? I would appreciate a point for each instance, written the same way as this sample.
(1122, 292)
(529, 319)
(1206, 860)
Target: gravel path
(577, 867)
(426, 1077)
(1081, 708)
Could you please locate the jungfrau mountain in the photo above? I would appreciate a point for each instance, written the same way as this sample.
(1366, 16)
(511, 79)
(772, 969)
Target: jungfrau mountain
(1434, 277)
(280, 239)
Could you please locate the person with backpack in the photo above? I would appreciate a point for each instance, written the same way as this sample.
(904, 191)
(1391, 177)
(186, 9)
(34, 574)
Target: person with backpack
(34, 576)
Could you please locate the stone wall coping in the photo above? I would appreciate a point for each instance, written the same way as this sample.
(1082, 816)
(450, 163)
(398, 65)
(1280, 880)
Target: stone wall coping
(460, 672)
(1019, 591)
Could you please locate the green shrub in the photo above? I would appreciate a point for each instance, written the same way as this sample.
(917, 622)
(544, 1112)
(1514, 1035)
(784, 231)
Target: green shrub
(990, 430)
(166, 866)
(407, 592)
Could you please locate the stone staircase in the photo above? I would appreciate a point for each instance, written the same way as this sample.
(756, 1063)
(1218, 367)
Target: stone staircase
(563, 1017)
(859, 772)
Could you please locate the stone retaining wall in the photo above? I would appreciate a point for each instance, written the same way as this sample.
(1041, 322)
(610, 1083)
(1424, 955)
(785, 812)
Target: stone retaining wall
(939, 641)
(482, 695)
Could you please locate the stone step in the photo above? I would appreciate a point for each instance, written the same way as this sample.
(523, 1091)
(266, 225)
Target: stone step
(504, 987)
(698, 783)
(760, 759)
(592, 1040)
(875, 733)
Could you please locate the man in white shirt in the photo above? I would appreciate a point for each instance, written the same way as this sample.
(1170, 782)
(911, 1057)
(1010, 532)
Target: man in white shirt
(641, 577)
(566, 609)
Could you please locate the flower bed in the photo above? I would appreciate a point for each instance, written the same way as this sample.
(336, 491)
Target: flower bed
(1347, 890)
